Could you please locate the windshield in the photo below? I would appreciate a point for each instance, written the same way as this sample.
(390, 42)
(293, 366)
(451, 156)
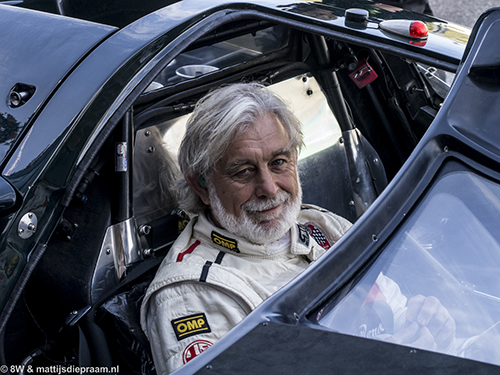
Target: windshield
(447, 256)
(439, 80)
(211, 58)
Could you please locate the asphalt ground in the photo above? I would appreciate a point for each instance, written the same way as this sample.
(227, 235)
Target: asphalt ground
(463, 12)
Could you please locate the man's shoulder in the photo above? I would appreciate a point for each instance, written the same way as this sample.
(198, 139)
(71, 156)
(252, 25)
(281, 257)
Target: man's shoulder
(311, 211)
(328, 223)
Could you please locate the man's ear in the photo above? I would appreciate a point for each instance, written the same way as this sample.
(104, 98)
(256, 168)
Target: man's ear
(197, 183)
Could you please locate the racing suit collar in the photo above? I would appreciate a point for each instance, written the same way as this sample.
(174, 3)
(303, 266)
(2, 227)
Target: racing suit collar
(299, 243)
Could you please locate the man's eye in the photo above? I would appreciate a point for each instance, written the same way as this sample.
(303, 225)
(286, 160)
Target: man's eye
(243, 172)
(278, 162)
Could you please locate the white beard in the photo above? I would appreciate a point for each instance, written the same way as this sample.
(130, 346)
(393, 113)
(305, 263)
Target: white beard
(254, 225)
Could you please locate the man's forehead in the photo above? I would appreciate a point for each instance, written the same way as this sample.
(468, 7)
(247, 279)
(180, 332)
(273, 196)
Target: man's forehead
(242, 155)
(263, 139)
(267, 147)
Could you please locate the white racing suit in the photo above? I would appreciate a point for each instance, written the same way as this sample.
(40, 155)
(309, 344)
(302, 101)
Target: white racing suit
(210, 280)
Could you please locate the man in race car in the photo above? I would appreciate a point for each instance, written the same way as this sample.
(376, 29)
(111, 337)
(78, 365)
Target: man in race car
(251, 235)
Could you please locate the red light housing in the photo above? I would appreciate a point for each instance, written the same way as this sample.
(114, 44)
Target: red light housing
(418, 29)
(405, 28)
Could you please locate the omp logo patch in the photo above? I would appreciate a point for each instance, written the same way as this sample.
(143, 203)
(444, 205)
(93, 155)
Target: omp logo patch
(226, 242)
(191, 325)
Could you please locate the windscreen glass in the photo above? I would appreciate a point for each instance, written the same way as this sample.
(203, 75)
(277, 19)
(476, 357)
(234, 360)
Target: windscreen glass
(439, 80)
(217, 56)
(435, 286)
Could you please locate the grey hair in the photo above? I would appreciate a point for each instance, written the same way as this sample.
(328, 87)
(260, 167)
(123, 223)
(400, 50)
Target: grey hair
(217, 120)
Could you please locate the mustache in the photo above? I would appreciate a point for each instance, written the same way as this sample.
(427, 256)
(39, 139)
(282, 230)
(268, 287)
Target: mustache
(266, 203)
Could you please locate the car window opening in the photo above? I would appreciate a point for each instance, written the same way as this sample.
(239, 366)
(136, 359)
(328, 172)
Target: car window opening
(335, 97)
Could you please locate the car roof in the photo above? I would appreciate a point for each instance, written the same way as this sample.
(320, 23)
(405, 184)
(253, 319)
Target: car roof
(38, 49)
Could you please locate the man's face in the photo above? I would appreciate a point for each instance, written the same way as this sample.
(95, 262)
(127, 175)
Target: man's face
(254, 190)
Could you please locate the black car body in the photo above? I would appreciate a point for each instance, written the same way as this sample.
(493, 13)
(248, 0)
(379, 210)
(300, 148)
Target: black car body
(95, 101)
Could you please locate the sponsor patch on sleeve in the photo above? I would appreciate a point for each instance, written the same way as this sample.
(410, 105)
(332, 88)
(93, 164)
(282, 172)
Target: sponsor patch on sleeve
(228, 243)
(191, 325)
(195, 349)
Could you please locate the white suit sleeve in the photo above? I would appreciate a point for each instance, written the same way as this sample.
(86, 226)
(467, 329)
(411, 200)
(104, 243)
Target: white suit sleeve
(184, 319)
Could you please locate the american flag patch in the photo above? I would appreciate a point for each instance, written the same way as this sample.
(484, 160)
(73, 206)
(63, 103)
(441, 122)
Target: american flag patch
(318, 236)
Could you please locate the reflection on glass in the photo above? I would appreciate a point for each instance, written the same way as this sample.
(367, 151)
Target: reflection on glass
(438, 273)
(440, 80)
(217, 56)
(9, 129)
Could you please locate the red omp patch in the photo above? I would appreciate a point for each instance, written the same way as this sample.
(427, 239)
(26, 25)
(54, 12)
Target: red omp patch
(195, 348)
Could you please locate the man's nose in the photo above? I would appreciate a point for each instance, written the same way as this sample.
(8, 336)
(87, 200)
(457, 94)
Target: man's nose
(266, 184)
